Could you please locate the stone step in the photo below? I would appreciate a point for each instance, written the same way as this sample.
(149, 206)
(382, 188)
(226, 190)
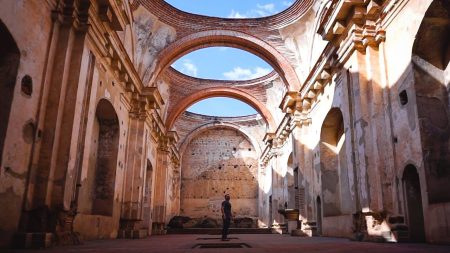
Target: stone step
(218, 231)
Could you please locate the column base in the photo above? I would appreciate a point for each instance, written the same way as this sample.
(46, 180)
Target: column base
(280, 228)
(132, 229)
(310, 228)
(33, 240)
(159, 228)
(132, 234)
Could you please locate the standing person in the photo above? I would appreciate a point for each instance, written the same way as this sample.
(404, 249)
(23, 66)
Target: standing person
(226, 216)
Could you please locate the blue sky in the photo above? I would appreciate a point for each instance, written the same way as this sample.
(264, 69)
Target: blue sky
(221, 106)
(223, 63)
(232, 8)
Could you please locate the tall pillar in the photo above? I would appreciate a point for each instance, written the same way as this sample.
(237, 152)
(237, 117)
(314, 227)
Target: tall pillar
(369, 100)
(49, 194)
(161, 185)
(131, 213)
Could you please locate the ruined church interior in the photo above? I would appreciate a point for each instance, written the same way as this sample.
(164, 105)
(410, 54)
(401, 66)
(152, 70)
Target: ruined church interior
(348, 148)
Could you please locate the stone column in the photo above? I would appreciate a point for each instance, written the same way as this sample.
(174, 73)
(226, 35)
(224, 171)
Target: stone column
(161, 185)
(52, 178)
(131, 213)
(369, 99)
(175, 184)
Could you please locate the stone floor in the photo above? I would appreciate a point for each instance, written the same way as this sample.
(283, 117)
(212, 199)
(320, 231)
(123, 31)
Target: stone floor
(258, 243)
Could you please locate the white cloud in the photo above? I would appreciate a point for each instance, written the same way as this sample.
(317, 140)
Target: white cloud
(261, 10)
(288, 3)
(239, 73)
(188, 68)
(236, 14)
(267, 7)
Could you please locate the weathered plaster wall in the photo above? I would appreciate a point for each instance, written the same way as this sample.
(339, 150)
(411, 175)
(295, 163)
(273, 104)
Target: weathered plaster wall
(15, 161)
(151, 36)
(217, 161)
(410, 73)
(301, 38)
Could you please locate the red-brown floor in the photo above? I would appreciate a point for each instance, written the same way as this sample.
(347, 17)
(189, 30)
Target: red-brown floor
(258, 243)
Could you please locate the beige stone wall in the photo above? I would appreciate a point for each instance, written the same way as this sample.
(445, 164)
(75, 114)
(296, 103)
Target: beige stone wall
(218, 161)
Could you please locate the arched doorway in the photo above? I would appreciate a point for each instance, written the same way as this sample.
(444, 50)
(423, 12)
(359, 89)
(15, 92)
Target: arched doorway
(292, 184)
(147, 203)
(330, 137)
(9, 65)
(106, 132)
(319, 215)
(414, 208)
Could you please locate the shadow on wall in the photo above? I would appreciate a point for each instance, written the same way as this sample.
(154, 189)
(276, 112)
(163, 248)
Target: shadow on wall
(9, 65)
(431, 73)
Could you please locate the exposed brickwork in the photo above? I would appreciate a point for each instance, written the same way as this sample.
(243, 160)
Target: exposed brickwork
(216, 161)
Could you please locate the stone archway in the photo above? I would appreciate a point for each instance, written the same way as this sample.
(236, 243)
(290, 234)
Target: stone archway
(231, 126)
(148, 199)
(228, 38)
(292, 183)
(217, 92)
(413, 204)
(9, 65)
(336, 196)
(331, 133)
(106, 132)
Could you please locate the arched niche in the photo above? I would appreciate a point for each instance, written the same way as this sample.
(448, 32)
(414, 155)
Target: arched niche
(9, 65)
(292, 183)
(230, 126)
(227, 38)
(413, 204)
(148, 193)
(431, 56)
(331, 154)
(106, 138)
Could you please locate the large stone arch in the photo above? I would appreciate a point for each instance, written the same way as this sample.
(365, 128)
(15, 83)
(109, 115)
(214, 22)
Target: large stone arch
(217, 92)
(203, 128)
(228, 38)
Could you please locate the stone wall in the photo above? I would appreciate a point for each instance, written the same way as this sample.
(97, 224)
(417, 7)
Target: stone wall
(218, 161)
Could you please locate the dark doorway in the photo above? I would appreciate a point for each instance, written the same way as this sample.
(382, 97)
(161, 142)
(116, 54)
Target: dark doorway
(147, 205)
(107, 125)
(9, 64)
(319, 216)
(297, 192)
(414, 207)
(270, 211)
